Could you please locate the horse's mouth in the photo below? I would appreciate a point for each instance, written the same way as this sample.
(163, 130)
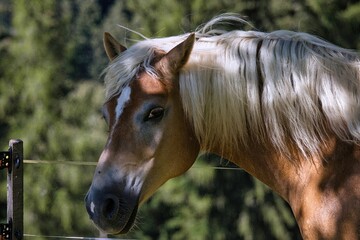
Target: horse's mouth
(130, 222)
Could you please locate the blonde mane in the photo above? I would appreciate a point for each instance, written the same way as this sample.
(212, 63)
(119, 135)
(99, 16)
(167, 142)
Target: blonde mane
(281, 86)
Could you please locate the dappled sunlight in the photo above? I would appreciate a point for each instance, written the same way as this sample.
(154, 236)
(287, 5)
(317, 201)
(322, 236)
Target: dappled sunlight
(52, 91)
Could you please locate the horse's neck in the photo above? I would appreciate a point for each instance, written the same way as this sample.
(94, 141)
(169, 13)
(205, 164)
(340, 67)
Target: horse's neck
(328, 185)
(270, 167)
(327, 204)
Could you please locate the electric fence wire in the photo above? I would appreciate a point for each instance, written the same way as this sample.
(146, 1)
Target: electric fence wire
(28, 236)
(54, 162)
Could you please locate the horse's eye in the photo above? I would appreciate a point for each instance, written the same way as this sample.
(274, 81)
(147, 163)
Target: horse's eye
(155, 114)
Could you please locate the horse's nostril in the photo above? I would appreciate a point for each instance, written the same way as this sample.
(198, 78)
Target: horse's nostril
(111, 207)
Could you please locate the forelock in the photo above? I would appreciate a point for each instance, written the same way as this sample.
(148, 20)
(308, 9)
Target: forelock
(126, 66)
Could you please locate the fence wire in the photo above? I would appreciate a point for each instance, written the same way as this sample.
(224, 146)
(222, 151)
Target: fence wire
(73, 163)
(55, 162)
(27, 236)
(28, 161)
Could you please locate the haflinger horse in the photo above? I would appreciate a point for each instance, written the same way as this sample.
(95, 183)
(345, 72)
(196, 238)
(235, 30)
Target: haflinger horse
(284, 106)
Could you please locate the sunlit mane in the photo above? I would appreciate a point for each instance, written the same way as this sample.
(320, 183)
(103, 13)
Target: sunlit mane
(242, 85)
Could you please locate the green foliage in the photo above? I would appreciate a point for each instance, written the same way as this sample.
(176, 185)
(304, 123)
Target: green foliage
(51, 59)
(51, 112)
(337, 21)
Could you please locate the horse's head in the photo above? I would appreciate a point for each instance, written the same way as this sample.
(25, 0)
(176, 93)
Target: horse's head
(149, 142)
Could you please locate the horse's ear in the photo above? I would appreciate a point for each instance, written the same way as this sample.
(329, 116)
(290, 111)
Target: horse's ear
(112, 47)
(176, 58)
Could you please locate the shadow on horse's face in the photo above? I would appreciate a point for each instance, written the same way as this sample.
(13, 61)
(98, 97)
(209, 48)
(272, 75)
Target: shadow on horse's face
(149, 142)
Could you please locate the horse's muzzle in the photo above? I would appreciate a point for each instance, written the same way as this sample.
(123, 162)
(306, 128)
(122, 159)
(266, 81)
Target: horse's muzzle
(113, 212)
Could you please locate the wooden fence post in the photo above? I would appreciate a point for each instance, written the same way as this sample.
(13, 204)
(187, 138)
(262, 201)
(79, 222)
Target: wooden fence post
(13, 161)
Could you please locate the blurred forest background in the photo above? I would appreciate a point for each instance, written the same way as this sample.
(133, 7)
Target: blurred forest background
(51, 59)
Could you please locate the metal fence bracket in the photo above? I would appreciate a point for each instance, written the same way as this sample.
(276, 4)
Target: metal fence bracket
(5, 231)
(5, 159)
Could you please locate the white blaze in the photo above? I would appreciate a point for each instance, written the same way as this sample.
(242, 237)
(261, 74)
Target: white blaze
(92, 207)
(122, 100)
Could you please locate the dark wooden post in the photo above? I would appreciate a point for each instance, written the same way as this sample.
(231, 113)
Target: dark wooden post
(13, 161)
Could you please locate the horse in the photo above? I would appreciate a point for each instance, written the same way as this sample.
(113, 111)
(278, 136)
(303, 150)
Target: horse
(283, 105)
